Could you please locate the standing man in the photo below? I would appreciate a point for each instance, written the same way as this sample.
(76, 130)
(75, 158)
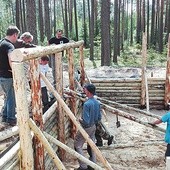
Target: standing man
(59, 38)
(166, 119)
(6, 81)
(47, 71)
(90, 116)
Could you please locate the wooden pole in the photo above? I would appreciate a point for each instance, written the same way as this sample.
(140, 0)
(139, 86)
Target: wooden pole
(9, 155)
(128, 107)
(73, 118)
(167, 81)
(49, 112)
(168, 163)
(144, 93)
(131, 117)
(72, 152)
(72, 101)
(7, 133)
(27, 162)
(37, 112)
(82, 78)
(60, 113)
(47, 146)
(24, 54)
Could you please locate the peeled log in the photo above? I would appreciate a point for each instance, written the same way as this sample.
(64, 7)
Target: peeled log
(25, 54)
(131, 117)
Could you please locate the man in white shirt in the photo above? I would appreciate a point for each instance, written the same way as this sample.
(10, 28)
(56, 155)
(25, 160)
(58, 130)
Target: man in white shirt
(45, 69)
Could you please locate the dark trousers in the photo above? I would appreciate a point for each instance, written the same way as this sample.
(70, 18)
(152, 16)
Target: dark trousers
(167, 153)
(44, 99)
(101, 133)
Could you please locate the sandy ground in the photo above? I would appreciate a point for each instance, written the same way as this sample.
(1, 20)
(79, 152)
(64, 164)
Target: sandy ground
(137, 147)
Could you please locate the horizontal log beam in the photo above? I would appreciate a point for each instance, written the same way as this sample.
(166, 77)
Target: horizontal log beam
(131, 117)
(128, 108)
(24, 54)
(117, 84)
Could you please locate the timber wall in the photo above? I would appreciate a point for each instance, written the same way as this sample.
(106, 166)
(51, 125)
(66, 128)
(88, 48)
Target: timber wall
(128, 91)
(51, 128)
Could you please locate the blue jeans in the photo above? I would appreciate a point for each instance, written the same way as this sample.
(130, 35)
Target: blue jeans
(8, 111)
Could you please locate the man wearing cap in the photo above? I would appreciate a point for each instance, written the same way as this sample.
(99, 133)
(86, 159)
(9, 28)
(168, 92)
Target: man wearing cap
(90, 116)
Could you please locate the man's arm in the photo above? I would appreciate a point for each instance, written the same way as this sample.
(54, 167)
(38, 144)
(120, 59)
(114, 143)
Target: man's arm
(158, 121)
(9, 59)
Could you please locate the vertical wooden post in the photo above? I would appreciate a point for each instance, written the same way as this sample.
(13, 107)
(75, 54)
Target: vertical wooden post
(72, 100)
(168, 163)
(37, 112)
(27, 162)
(144, 84)
(59, 87)
(167, 81)
(82, 78)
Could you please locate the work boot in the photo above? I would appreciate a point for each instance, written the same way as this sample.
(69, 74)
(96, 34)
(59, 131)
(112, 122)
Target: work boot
(81, 168)
(99, 143)
(90, 168)
(110, 140)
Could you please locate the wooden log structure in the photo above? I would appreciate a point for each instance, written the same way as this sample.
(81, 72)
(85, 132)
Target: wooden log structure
(167, 82)
(73, 118)
(59, 87)
(131, 117)
(128, 91)
(72, 152)
(23, 116)
(24, 54)
(72, 101)
(144, 83)
(45, 143)
(37, 112)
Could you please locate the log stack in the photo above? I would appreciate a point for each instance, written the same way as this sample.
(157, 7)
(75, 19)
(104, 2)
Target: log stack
(128, 91)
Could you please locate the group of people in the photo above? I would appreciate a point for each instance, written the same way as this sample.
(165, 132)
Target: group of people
(91, 115)
(7, 45)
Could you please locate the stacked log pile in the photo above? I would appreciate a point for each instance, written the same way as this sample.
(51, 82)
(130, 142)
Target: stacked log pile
(128, 91)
